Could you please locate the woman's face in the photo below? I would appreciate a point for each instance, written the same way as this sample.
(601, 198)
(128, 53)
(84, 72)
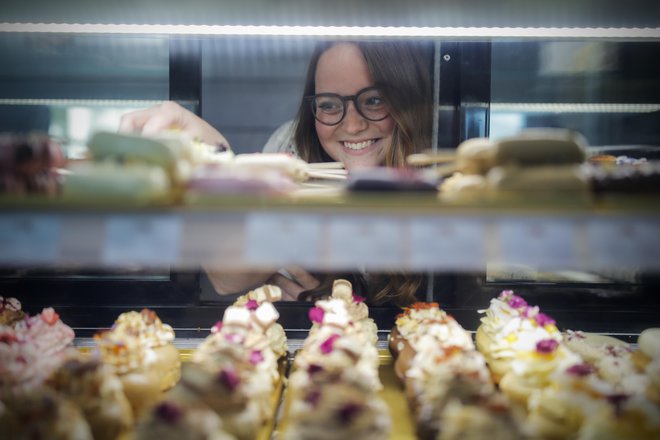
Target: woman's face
(355, 141)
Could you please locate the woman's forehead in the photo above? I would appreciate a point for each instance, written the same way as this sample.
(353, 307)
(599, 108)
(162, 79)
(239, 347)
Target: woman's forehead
(342, 69)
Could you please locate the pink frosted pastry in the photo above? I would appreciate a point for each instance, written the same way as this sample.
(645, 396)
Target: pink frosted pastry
(10, 311)
(31, 350)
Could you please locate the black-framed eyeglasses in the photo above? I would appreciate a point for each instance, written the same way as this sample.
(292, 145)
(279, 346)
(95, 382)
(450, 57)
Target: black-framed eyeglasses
(330, 108)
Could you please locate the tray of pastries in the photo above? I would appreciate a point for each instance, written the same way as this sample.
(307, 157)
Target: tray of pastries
(518, 377)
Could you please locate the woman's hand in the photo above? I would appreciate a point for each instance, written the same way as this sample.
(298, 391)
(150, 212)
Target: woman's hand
(167, 116)
(298, 281)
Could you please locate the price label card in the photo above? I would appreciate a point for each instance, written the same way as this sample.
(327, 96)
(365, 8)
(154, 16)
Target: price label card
(447, 243)
(366, 241)
(549, 243)
(29, 239)
(151, 240)
(281, 239)
(624, 243)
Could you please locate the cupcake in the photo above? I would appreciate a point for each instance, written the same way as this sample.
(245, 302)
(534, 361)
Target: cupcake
(97, 391)
(338, 411)
(511, 326)
(158, 339)
(10, 311)
(489, 418)
(531, 370)
(171, 420)
(31, 350)
(42, 414)
(132, 362)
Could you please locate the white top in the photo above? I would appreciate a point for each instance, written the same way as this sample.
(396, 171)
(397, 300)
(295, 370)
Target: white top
(281, 141)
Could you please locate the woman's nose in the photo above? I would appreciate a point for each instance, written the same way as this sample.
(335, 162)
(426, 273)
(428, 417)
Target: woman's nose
(354, 122)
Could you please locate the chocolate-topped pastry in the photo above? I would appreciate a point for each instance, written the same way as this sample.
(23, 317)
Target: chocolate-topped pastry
(629, 178)
(28, 162)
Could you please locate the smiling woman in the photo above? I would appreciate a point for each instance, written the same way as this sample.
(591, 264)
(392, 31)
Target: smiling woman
(364, 104)
(386, 104)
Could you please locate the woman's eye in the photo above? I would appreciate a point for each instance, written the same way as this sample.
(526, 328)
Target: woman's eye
(328, 107)
(374, 101)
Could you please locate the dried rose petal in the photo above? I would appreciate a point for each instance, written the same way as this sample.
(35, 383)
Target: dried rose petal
(516, 302)
(252, 305)
(217, 327)
(316, 314)
(546, 346)
(313, 369)
(328, 344)
(168, 412)
(313, 397)
(542, 319)
(256, 357)
(581, 370)
(348, 412)
(229, 379)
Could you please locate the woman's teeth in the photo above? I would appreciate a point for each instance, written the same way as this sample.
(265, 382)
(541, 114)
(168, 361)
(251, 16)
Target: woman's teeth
(358, 145)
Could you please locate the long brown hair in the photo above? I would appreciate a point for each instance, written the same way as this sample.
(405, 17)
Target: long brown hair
(404, 71)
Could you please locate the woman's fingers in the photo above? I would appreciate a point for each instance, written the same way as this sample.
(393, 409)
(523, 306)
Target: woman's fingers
(290, 289)
(304, 278)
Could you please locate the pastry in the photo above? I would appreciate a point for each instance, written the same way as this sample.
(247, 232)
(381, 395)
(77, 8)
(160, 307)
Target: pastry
(28, 164)
(509, 327)
(333, 389)
(531, 370)
(132, 362)
(267, 316)
(234, 370)
(487, 418)
(336, 411)
(31, 350)
(99, 394)
(646, 359)
(10, 311)
(171, 420)
(42, 414)
(159, 338)
(424, 320)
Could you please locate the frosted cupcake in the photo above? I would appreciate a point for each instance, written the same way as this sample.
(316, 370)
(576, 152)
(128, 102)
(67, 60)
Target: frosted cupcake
(97, 391)
(158, 339)
(509, 327)
(10, 311)
(31, 350)
(172, 421)
(132, 361)
(261, 301)
(42, 414)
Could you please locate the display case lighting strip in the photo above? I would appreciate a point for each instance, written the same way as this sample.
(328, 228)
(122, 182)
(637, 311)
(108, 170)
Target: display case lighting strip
(83, 102)
(573, 107)
(338, 31)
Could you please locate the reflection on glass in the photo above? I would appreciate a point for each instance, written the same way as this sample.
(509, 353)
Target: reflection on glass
(608, 91)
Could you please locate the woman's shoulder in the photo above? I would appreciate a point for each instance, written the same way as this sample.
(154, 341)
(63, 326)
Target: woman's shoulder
(281, 141)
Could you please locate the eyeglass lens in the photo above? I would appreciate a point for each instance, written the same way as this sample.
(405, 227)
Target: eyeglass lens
(330, 109)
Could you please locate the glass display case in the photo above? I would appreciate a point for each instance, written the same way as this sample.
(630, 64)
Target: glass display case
(70, 71)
